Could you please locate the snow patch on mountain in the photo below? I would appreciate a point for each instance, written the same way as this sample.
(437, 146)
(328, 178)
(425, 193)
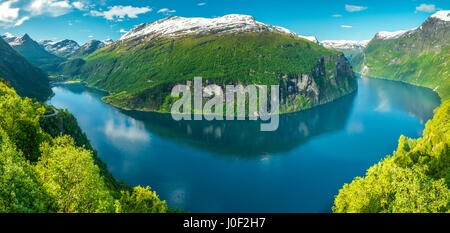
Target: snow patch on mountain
(12, 40)
(107, 41)
(383, 35)
(310, 38)
(345, 44)
(60, 48)
(442, 15)
(178, 26)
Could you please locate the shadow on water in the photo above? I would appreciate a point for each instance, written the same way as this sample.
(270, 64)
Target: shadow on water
(244, 138)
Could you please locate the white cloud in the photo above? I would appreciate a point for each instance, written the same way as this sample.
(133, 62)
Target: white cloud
(166, 11)
(201, 4)
(352, 8)
(79, 5)
(14, 12)
(120, 12)
(21, 20)
(53, 8)
(8, 14)
(90, 36)
(337, 15)
(426, 8)
(122, 30)
(346, 26)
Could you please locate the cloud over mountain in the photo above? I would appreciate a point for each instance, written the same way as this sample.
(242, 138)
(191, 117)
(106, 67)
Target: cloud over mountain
(426, 8)
(120, 12)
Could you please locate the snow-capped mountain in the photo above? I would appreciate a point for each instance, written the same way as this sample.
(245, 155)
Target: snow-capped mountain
(178, 26)
(442, 15)
(32, 51)
(60, 48)
(90, 47)
(345, 44)
(384, 35)
(438, 16)
(418, 56)
(9, 38)
(107, 41)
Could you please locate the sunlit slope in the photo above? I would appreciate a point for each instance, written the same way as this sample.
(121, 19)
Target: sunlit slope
(139, 74)
(420, 56)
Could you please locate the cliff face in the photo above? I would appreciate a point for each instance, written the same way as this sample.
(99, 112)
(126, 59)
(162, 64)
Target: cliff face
(331, 78)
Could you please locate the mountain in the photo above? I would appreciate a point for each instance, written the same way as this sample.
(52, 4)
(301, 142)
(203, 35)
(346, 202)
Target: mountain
(107, 41)
(33, 52)
(310, 38)
(62, 48)
(140, 69)
(90, 47)
(27, 79)
(349, 47)
(419, 56)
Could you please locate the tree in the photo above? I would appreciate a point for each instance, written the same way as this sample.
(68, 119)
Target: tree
(141, 200)
(72, 178)
(414, 180)
(20, 120)
(20, 188)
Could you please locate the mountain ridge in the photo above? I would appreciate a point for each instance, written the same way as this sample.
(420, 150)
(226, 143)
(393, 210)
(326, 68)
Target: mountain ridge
(27, 79)
(33, 51)
(418, 56)
(140, 69)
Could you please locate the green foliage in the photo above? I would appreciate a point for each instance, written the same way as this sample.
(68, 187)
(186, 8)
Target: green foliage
(141, 74)
(71, 177)
(68, 176)
(141, 200)
(414, 180)
(64, 123)
(20, 119)
(20, 188)
(412, 59)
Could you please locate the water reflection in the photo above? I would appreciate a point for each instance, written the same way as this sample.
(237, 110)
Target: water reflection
(197, 165)
(388, 95)
(126, 133)
(244, 138)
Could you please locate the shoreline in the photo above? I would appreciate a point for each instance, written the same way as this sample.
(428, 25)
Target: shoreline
(153, 111)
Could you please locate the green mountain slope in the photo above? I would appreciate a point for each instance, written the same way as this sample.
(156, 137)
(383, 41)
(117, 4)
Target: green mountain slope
(416, 178)
(35, 53)
(420, 56)
(27, 79)
(139, 73)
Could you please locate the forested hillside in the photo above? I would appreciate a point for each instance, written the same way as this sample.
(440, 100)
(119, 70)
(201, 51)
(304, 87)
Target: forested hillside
(415, 179)
(419, 56)
(139, 72)
(42, 172)
(27, 79)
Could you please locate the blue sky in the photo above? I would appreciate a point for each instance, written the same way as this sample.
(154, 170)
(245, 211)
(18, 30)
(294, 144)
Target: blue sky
(82, 20)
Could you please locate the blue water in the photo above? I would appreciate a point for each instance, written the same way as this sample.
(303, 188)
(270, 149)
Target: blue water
(230, 166)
